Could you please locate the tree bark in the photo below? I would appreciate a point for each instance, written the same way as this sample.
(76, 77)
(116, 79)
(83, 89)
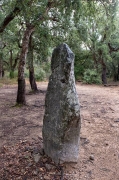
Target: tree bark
(115, 73)
(3, 73)
(1, 68)
(21, 79)
(11, 75)
(31, 67)
(32, 80)
(1, 65)
(104, 76)
(104, 68)
(118, 73)
(12, 66)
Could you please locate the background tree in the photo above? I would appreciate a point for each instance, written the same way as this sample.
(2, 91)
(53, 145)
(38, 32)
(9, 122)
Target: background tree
(90, 28)
(95, 28)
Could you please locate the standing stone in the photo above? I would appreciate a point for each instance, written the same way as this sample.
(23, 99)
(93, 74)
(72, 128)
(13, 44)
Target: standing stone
(61, 124)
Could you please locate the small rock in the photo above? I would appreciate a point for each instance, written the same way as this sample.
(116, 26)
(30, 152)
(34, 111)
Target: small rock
(35, 173)
(36, 157)
(91, 157)
(42, 169)
(27, 149)
(22, 170)
(44, 160)
(19, 178)
(30, 164)
(36, 150)
(46, 177)
(49, 166)
(41, 151)
(90, 172)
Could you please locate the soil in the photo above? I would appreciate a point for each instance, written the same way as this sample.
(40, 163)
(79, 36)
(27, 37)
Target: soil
(21, 152)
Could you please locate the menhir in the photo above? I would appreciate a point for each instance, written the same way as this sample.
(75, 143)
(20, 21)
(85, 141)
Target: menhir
(61, 124)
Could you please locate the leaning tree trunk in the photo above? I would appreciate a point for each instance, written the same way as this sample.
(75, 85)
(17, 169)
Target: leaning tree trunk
(11, 75)
(104, 76)
(1, 69)
(104, 68)
(13, 66)
(115, 73)
(10, 16)
(118, 73)
(31, 67)
(1, 66)
(21, 79)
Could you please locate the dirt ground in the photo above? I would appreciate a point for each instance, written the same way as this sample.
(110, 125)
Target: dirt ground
(99, 146)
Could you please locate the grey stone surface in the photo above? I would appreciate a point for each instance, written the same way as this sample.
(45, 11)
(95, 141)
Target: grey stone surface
(61, 124)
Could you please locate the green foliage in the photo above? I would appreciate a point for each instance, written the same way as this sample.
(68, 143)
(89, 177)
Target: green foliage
(91, 77)
(83, 61)
(86, 26)
(43, 72)
(11, 75)
(40, 74)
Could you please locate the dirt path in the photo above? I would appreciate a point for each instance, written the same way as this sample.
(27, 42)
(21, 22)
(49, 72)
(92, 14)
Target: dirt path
(99, 150)
(99, 133)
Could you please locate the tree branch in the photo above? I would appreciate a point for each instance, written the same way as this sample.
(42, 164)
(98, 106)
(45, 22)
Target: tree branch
(15, 62)
(112, 49)
(9, 18)
(6, 62)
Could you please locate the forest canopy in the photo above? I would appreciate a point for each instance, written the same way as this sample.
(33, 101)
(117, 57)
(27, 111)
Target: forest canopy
(29, 30)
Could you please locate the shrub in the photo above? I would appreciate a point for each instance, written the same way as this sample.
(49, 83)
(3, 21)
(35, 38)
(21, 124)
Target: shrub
(91, 77)
(40, 74)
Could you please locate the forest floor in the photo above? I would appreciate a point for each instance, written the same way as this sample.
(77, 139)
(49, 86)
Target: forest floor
(21, 153)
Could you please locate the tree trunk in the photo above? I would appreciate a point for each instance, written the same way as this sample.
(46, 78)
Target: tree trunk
(21, 79)
(118, 73)
(11, 75)
(1, 66)
(104, 68)
(31, 67)
(115, 73)
(21, 92)
(1, 70)
(32, 80)
(104, 76)
(3, 73)
(12, 66)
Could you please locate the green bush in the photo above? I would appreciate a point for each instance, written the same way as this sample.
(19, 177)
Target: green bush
(40, 74)
(46, 67)
(91, 77)
(78, 71)
(13, 74)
